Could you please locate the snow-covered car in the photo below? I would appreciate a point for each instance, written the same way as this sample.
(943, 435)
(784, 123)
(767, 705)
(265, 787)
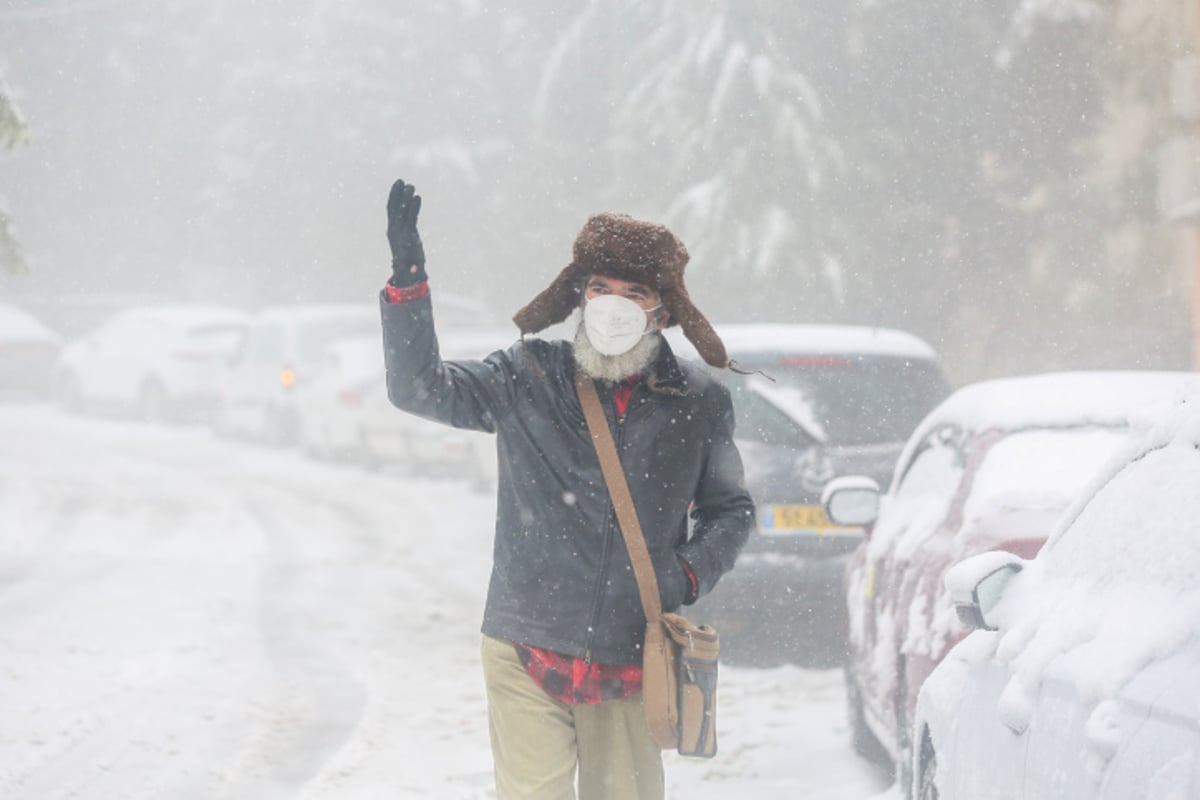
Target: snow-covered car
(993, 467)
(28, 350)
(277, 355)
(159, 362)
(1080, 682)
(345, 414)
(332, 404)
(822, 401)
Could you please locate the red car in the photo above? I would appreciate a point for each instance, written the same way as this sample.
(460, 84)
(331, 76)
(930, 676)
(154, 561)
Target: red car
(992, 468)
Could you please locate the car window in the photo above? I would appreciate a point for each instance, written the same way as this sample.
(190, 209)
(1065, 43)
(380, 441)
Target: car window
(923, 493)
(265, 345)
(862, 400)
(316, 334)
(757, 420)
(1039, 469)
(936, 468)
(1138, 527)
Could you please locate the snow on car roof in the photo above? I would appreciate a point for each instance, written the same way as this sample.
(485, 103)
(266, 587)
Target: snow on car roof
(768, 338)
(1059, 399)
(16, 324)
(1055, 400)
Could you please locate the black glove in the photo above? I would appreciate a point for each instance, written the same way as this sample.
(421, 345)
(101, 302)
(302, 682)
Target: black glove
(408, 255)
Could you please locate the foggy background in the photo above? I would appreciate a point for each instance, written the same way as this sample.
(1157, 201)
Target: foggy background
(984, 174)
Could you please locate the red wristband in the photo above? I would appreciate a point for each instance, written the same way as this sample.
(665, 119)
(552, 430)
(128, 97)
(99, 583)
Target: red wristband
(693, 584)
(403, 294)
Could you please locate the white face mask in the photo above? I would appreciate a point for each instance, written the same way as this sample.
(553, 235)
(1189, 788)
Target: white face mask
(614, 324)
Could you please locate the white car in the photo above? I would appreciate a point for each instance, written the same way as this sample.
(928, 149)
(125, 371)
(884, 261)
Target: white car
(1080, 680)
(344, 413)
(275, 358)
(331, 405)
(994, 467)
(156, 361)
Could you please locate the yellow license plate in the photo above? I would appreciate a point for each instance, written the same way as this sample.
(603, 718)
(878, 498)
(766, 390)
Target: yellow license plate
(787, 519)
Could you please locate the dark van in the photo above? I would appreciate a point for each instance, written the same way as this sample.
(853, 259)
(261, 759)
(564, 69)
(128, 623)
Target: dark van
(822, 401)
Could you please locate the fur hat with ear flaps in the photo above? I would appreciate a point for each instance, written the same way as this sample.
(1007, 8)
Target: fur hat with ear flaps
(619, 246)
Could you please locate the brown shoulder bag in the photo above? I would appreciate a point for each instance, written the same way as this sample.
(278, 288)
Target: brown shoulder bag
(679, 659)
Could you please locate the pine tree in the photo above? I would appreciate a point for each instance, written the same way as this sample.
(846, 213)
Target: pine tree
(12, 132)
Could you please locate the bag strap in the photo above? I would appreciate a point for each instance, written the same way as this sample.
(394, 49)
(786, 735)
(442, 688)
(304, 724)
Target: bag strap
(618, 490)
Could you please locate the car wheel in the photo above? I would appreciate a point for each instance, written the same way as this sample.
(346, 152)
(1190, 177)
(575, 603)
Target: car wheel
(925, 787)
(861, 737)
(153, 405)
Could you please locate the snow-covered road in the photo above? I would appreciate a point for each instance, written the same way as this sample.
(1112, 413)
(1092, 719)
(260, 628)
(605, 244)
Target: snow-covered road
(184, 617)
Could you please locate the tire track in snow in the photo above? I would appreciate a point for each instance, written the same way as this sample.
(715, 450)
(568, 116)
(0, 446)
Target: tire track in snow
(359, 581)
(419, 597)
(314, 702)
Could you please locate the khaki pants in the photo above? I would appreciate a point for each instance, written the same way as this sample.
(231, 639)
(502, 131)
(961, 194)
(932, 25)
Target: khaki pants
(537, 741)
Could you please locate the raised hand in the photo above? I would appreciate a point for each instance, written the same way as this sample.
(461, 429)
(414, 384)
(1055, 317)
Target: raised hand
(408, 254)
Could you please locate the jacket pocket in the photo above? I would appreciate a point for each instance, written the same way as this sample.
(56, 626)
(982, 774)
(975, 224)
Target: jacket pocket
(672, 584)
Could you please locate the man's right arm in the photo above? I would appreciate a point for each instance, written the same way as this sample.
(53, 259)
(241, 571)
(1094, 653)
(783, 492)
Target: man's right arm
(465, 394)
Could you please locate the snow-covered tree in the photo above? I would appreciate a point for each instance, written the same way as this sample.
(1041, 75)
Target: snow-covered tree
(12, 132)
(703, 115)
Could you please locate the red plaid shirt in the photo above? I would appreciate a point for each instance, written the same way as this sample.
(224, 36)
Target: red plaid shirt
(568, 678)
(575, 680)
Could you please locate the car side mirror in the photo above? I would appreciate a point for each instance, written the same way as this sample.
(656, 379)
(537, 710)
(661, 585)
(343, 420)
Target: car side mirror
(852, 500)
(977, 585)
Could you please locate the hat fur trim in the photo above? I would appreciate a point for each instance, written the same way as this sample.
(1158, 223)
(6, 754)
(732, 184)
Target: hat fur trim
(619, 246)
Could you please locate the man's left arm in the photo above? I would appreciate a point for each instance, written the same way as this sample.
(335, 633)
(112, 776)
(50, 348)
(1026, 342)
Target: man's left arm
(723, 510)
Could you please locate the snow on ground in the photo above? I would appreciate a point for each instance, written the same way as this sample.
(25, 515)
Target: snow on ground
(186, 617)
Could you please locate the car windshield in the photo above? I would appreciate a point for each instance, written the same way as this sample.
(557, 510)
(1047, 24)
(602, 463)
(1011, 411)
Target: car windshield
(1139, 527)
(1040, 469)
(318, 333)
(852, 400)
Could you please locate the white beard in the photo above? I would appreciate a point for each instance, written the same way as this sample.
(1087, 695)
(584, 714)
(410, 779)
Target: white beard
(615, 368)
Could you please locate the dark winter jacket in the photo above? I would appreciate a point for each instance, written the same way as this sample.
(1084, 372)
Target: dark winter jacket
(561, 577)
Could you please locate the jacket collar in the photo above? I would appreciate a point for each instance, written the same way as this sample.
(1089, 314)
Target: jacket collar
(665, 374)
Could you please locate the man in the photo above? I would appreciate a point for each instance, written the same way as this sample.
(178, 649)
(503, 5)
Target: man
(563, 624)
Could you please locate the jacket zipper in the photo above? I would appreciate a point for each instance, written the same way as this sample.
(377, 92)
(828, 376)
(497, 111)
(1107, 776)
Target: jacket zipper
(605, 555)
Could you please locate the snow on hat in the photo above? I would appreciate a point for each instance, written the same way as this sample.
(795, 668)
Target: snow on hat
(619, 246)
